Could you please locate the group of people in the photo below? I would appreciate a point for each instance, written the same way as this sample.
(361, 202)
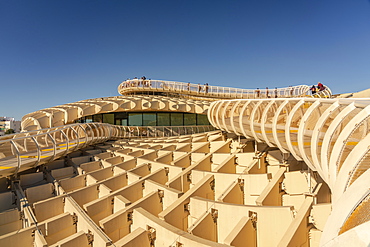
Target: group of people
(201, 88)
(137, 131)
(147, 83)
(137, 82)
(206, 88)
(267, 93)
(314, 89)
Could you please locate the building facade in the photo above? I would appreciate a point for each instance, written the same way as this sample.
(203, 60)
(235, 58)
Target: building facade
(278, 167)
(7, 123)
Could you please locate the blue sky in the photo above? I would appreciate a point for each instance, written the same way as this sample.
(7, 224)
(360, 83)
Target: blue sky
(62, 51)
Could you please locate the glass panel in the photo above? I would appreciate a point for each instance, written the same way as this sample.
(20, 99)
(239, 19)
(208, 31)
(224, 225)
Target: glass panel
(88, 119)
(177, 119)
(97, 118)
(80, 120)
(120, 114)
(149, 119)
(190, 119)
(163, 119)
(108, 118)
(121, 118)
(202, 120)
(135, 119)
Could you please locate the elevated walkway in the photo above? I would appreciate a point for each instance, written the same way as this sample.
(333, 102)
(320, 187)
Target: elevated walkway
(208, 92)
(19, 152)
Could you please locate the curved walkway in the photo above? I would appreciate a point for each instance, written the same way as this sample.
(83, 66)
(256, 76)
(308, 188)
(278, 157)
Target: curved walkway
(19, 152)
(207, 91)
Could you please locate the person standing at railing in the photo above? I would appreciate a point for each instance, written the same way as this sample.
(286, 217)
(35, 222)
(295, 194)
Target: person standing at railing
(199, 88)
(276, 92)
(134, 82)
(291, 91)
(127, 82)
(206, 87)
(257, 92)
(143, 81)
(313, 90)
(188, 86)
(267, 92)
(320, 86)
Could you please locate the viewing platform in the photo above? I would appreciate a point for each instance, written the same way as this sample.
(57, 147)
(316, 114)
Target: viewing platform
(205, 91)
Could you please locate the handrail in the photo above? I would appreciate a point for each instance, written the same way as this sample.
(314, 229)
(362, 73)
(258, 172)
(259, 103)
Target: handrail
(331, 136)
(28, 149)
(207, 91)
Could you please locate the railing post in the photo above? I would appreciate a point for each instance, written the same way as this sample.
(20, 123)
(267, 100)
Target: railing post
(124, 131)
(54, 145)
(92, 132)
(67, 139)
(78, 138)
(38, 150)
(83, 129)
(18, 157)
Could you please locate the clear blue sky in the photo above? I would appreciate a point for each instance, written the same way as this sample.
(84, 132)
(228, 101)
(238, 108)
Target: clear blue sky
(60, 51)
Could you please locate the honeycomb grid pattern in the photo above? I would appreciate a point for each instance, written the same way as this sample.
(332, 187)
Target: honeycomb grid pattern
(194, 190)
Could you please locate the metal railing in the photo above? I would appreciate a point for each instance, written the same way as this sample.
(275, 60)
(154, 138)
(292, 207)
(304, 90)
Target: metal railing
(139, 85)
(25, 150)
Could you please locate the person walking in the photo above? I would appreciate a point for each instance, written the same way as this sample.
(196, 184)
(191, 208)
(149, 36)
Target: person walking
(320, 86)
(313, 90)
